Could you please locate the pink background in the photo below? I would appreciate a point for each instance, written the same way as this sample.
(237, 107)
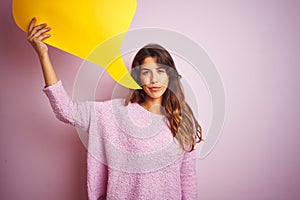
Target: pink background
(255, 46)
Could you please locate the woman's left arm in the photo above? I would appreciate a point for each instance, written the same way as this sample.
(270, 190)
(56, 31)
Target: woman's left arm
(188, 176)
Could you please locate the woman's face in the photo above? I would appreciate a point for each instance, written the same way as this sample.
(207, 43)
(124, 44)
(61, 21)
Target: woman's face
(154, 79)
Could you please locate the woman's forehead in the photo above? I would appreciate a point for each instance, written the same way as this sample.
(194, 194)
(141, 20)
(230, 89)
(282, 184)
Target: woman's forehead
(149, 60)
(150, 63)
(150, 66)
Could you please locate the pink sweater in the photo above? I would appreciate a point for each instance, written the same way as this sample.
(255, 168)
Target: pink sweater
(131, 151)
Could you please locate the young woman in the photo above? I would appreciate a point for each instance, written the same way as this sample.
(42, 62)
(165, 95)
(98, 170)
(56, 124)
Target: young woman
(146, 141)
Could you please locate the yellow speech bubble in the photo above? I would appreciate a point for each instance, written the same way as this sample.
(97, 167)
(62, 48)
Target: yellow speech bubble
(79, 26)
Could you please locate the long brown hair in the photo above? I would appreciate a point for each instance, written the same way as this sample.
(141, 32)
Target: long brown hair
(182, 122)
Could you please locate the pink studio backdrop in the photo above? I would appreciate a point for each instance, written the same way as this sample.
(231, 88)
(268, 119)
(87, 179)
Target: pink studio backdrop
(255, 46)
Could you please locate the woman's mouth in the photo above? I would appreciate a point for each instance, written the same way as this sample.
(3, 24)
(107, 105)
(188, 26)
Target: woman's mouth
(154, 88)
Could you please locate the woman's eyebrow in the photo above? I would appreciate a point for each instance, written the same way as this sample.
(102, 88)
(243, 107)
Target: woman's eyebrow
(161, 67)
(157, 67)
(144, 68)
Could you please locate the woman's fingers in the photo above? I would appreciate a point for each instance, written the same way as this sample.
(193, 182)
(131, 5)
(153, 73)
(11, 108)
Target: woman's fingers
(42, 31)
(31, 25)
(44, 36)
(38, 33)
(36, 29)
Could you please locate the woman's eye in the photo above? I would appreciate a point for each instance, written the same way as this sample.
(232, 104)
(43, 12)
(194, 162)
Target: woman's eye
(161, 71)
(145, 72)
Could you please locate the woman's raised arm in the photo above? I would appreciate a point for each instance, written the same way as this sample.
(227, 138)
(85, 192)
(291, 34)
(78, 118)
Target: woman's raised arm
(36, 35)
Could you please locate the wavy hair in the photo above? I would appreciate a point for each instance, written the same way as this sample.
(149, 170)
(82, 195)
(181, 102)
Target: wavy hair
(182, 122)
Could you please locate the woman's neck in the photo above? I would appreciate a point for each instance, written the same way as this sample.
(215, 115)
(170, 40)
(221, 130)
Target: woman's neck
(152, 105)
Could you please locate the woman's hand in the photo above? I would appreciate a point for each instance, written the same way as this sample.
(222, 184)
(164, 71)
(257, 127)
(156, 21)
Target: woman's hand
(36, 35)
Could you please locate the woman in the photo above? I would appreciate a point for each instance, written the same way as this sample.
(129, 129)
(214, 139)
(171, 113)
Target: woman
(146, 142)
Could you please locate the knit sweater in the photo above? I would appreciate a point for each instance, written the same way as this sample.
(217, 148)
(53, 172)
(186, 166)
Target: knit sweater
(131, 151)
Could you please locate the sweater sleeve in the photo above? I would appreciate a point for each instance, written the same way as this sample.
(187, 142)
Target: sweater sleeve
(188, 176)
(76, 113)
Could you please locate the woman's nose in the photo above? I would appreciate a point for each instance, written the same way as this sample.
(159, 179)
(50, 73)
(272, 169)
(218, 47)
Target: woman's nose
(153, 78)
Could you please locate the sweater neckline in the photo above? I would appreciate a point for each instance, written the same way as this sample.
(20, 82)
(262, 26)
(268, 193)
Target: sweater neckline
(142, 109)
(128, 120)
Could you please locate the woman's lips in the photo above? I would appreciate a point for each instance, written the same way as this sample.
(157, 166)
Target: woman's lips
(154, 88)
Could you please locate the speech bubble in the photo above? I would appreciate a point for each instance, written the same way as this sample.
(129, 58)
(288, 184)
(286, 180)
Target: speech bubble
(80, 26)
